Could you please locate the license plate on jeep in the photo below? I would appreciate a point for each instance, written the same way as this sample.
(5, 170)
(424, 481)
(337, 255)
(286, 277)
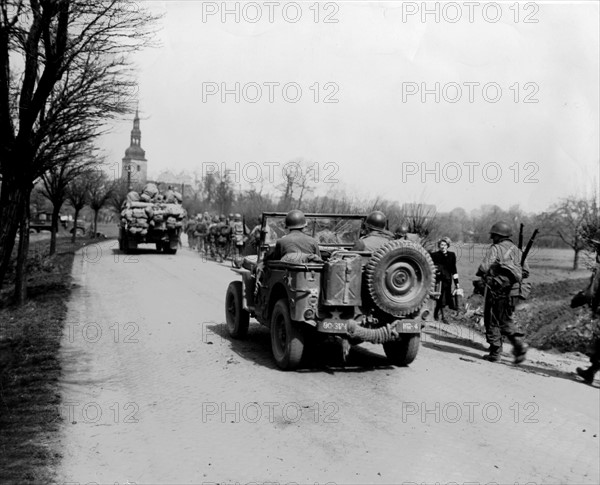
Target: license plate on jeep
(333, 327)
(409, 327)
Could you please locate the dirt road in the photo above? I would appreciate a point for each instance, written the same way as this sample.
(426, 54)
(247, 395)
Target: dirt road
(155, 392)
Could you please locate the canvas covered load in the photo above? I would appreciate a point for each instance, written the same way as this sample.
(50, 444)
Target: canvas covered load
(150, 210)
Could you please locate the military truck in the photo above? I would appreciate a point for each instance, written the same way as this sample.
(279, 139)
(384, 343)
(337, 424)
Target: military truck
(151, 223)
(384, 297)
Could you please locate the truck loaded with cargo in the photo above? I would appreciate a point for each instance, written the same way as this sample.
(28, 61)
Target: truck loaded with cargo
(151, 217)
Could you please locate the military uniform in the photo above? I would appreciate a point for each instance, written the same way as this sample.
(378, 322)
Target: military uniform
(372, 241)
(295, 247)
(501, 259)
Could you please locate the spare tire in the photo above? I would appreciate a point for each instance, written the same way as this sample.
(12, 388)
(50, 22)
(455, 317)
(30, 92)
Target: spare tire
(399, 276)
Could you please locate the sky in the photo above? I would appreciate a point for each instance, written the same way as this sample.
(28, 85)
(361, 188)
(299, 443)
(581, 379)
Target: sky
(456, 104)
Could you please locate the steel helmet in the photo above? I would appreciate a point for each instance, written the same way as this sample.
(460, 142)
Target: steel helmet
(237, 217)
(501, 228)
(376, 220)
(222, 217)
(295, 219)
(401, 230)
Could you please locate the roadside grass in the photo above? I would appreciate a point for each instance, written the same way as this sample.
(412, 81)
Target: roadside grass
(29, 367)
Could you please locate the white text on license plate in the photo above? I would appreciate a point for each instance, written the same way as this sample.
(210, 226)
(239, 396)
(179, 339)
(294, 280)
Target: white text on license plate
(334, 325)
(409, 327)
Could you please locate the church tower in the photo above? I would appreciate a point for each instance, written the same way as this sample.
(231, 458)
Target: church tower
(135, 157)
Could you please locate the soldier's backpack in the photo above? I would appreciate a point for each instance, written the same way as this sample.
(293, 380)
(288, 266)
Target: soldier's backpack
(201, 229)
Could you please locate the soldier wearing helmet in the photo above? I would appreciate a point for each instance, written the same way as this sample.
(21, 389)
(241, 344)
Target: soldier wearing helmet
(238, 236)
(500, 269)
(376, 234)
(296, 247)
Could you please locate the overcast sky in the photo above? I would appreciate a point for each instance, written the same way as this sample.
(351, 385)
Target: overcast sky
(516, 120)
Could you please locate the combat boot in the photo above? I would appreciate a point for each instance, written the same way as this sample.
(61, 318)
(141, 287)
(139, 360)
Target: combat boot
(520, 349)
(586, 374)
(495, 354)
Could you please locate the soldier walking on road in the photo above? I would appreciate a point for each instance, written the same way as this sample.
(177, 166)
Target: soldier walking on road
(190, 227)
(500, 269)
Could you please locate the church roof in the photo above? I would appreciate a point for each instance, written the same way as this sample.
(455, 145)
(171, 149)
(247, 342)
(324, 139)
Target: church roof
(135, 152)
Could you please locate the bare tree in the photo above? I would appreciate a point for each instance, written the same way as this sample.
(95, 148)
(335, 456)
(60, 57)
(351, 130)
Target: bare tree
(99, 191)
(55, 182)
(63, 76)
(570, 220)
(78, 195)
(118, 194)
(298, 177)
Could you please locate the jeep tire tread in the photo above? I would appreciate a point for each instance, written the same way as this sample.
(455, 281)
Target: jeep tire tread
(402, 352)
(287, 338)
(237, 318)
(400, 276)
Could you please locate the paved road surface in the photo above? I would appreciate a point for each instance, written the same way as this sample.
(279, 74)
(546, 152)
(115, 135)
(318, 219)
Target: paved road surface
(155, 392)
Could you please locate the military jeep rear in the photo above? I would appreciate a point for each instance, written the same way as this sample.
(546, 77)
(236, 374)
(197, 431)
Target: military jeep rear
(384, 297)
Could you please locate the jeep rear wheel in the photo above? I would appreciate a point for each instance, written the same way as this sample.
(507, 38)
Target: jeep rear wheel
(399, 277)
(237, 318)
(287, 339)
(402, 352)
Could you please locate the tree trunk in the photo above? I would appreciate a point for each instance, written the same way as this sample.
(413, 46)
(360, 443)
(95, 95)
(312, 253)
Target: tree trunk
(54, 228)
(20, 295)
(96, 212)
(576, 259)
(73, 238)
(12, 199)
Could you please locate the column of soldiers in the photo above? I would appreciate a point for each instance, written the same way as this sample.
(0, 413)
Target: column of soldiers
(219, 237)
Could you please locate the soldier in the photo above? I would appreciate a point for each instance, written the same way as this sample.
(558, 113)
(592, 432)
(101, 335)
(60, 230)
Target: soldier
(445, 262)
(500, 269)
(238, 236)
(223, 234)
(212, 236)
(376, 235)
(190, 227)
(401, 232)
(200, 233)
(295, 247)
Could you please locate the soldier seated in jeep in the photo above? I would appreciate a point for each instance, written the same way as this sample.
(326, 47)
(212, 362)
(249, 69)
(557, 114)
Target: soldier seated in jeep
(383, 295)
(295, 247)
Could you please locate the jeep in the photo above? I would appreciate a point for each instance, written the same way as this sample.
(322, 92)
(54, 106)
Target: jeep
(384, 297)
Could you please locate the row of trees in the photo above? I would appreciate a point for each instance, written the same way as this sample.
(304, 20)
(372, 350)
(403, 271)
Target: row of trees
(573, 222)
(64, 76)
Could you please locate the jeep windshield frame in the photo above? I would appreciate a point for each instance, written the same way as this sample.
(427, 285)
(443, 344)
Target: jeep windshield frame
(332, 231)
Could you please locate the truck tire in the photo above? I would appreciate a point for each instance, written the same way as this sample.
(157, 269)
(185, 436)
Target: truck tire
(402, 352)
(237, 318)
(287, 338)
(399, 277)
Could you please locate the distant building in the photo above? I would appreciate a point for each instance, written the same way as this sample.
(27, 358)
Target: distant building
(135, 156)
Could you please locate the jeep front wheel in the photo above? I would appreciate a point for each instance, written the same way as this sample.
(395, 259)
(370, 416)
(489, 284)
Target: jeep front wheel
(237, 318)
(287, 339)
(402, 352)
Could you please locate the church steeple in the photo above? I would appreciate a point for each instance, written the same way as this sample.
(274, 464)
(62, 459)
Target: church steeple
(135, 156)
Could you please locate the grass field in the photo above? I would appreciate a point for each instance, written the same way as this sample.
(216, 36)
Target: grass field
(546, 265)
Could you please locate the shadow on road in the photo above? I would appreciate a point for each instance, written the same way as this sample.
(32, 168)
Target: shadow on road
(464, 348)
(323, 356)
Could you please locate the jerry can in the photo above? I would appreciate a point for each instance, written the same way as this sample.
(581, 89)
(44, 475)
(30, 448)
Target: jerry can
(342, 280)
